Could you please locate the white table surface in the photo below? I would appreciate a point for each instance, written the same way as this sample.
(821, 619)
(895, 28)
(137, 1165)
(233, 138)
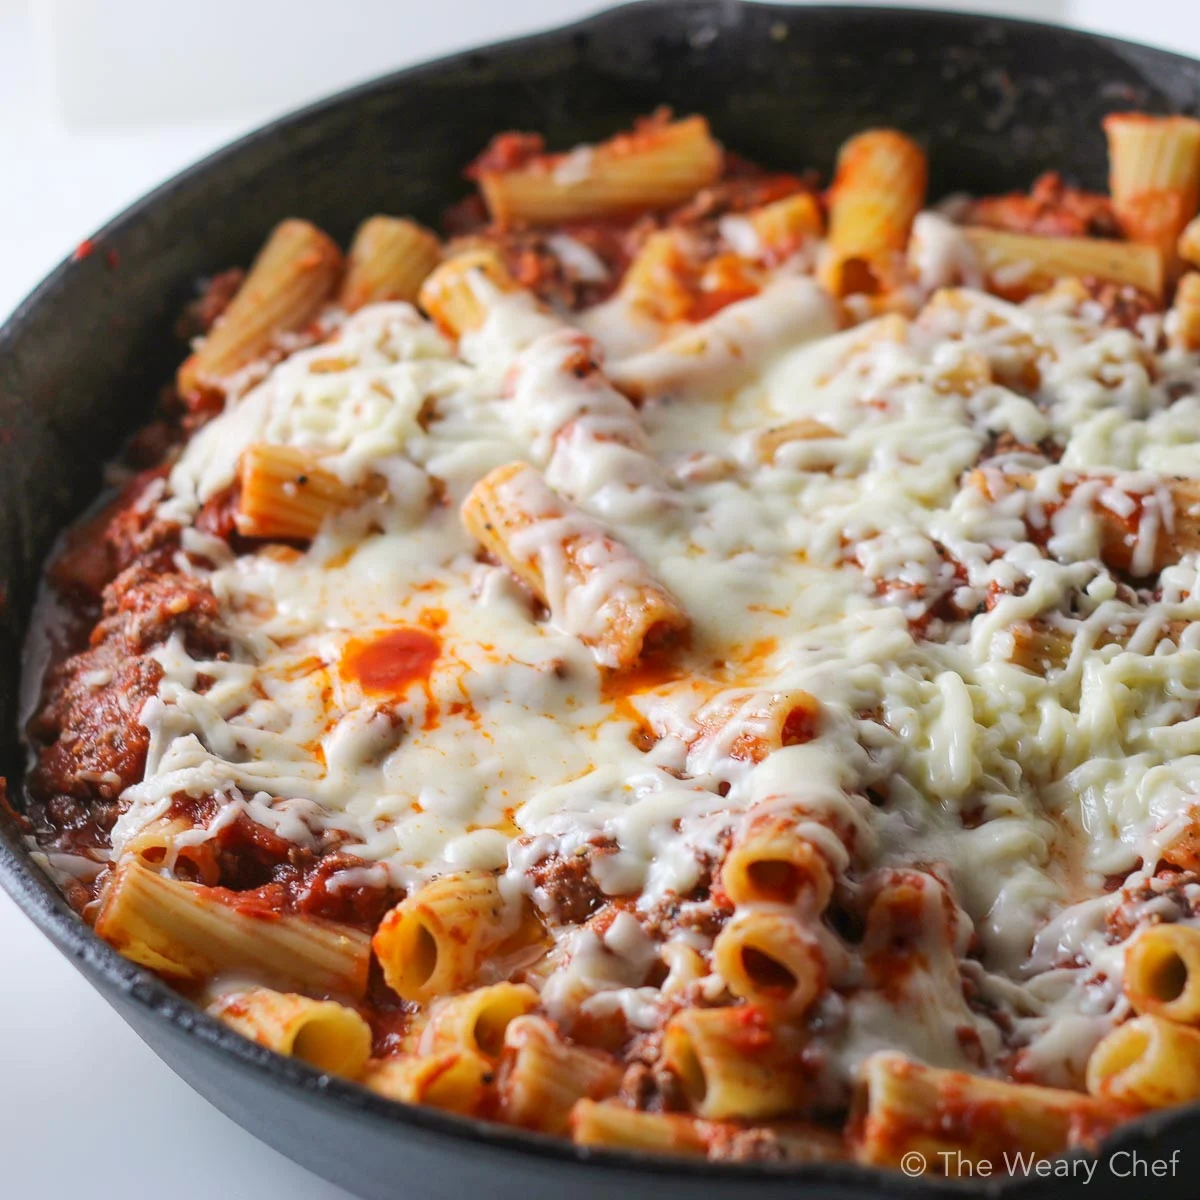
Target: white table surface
(85, 1108)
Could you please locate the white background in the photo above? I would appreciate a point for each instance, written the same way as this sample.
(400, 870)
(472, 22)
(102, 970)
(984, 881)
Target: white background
(99, 101)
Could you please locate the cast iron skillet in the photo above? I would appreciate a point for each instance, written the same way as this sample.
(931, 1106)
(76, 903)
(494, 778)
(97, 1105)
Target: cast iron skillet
(80, 362)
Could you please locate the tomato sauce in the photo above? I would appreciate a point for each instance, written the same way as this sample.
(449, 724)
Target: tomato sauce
(390, 663)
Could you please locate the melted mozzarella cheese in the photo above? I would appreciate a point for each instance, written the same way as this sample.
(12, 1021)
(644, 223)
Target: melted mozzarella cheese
(820, 572)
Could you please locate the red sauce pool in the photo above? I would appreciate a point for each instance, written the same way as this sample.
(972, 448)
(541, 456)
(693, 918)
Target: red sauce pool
(393, 661)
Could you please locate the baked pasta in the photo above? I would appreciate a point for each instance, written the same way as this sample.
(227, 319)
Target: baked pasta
(684, 660)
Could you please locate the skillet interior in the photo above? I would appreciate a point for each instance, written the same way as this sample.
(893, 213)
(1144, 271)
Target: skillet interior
(81, 360)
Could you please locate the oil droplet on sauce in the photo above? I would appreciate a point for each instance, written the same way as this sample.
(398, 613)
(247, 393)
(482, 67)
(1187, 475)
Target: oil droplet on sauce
(393, 661)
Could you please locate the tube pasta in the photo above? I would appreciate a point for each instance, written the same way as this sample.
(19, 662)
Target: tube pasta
(326, 1035)
(767, 959)
(749, 726)
(1184, 851)
(1039, 646)
(904, 1107)
(771, 863)
(685, 965)
(653, 167)
(291, 279)
(1019, 264)
(454, 1080)
(785, 225)
(611, 1124)
(1178, 535)
(653, 283)
(432, 942)
(593, 586)
(732, 1063)
(1162, 972)
(543, 1076)
(286, 493)
(158, 844)
(804, 429)
(190, 932)
(878, 189)
(478, 1020)
(907, 914)
(586, 408)
(672, 280)
(1188, 246)
(790, 849)
(389, 259)
(1148, 1061)
(1154, 176)
(459, 294)
(1177, 531)
(1183, 321)
(716, 354)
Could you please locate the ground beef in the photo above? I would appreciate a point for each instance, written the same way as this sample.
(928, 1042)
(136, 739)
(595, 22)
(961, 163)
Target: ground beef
(1008, 443)
(150, 446)
(143, 608)
(509, 151)
(532, 259)
(745, 1145)
(531, 254)
(637, 1087)
(217, 515)
(652, 1088)
(125, 532)
(705, 917)
(1051, 209)
(215, 296)
(264, 874)
(648, 1084)
(316, 894)
(98, 747)
(89, 743)
(566, 888)
(1170, 895)
(705, 909)
(744, 188)
(1121, 306)
(301, 886)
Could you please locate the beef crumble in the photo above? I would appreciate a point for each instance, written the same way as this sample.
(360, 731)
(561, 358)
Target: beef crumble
(1050, 209)
(1169, 895)
(89, 741)
(565, 886)
(125, 532)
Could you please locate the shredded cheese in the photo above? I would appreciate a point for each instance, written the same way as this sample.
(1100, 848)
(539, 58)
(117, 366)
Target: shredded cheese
(867, 575)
